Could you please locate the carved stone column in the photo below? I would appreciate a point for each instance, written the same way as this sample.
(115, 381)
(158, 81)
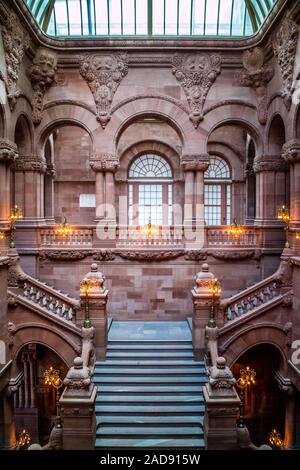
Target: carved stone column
(238, 201)
(291, 153)
(250, 190)
(49, 193)
(202, 299)
(8, 154)
(221, 408)
(285, 385)
(270, 195)
(97, 299)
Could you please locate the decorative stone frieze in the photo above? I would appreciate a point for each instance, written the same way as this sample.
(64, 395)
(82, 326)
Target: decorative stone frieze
(67, 255)
(78, 376)
(30, 163)
(8, 151)
(291, 151)
(284, 46)
(257, 76)
(104, 162)
(42, 75)
(220, 376)
(196, 73)
(231, 254)
(195, 162)
(104, 255)
(150, 255)
(103, 74)
(269, 163)
(15, 43)
(195, 255)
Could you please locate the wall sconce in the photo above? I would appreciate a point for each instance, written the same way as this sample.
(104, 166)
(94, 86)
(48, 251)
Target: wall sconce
(235, 230)
(215, 289)
(247, 378)
(283, 214)
(52, 377)
(64, 229)
(85, 289)
(23, 439)
(275, 439)
(15, 215)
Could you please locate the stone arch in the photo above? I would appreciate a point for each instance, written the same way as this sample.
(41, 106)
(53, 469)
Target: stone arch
(275, 134)
(229, 155)
(23, 135)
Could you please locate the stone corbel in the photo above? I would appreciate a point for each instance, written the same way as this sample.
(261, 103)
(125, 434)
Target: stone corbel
(30, 163)
(42, 75)
(8, 151)
(15, 43)
(196, 73)
(257, 76)
(291, 151)
(284, 44)
(103, 74)
(104, 162)
(269, 163)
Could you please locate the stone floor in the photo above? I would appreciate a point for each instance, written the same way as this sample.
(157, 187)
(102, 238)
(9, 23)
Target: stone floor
(150, 330)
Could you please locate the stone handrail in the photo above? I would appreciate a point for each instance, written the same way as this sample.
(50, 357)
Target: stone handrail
(220, 236)
(80, 236)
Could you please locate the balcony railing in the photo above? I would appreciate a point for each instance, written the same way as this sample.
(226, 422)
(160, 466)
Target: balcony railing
(136, 236)
(221, 236)
(50, 237)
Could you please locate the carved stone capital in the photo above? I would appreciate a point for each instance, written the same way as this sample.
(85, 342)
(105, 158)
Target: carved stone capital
(15, 43)
(195, 162)
(284, 46)
(104, 162)
(8, 151)
(291, 151)
(103, 74)
(42, 75)
(257, 76)
(196, 73)
(30, 163)
(269, 163)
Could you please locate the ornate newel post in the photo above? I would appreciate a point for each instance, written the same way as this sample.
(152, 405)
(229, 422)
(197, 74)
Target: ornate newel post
(205, 305)
(221, 408)
(291, 154)
(93, 299)
(78, 408)
(8, 154)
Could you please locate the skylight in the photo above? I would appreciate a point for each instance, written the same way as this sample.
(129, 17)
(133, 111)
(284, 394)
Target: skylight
(150, 17)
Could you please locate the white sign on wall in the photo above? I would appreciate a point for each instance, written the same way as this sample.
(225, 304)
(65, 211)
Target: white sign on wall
(87, 200)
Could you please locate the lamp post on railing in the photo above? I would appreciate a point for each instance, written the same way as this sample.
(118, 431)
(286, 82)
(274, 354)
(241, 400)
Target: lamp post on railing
(247, 378)
(215, 290)
(235, 229)
(275, 439)
(52, 377)
(85, 289)
(283, 214)
(64, 230)
(16, 214)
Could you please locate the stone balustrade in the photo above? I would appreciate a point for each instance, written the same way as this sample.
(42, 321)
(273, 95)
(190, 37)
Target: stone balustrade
(137, 236)
(220, 236)
(78, 237)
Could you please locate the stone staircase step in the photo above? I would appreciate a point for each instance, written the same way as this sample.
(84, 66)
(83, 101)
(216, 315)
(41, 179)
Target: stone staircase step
(135, 419)
(183, 370)
(120, 355)
(149, 400)
(148, 362)
(135, 389)
(148, 346)
(154, 442)
(131, 408)
(144, 431)
(158, 380)
(147, 342)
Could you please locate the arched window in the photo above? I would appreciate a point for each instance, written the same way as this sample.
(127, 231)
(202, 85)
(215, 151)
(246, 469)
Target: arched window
(150, 191)
(217, 192)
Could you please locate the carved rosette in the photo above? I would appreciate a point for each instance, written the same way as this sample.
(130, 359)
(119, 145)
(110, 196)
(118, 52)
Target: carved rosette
(269, 163)
(15, 43)
(8, 151)
(284, 46)
(103, 74)
(104, 162)
(195, 162)
(196, 73)
(30, 163)
(42, 75)
(257, 76)
(291, 151)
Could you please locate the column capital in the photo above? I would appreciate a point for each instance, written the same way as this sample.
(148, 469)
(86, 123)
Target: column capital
(8, 151)
(30, 163)
(104, 162)
(194, 162)
(269, 163)
(291, 151)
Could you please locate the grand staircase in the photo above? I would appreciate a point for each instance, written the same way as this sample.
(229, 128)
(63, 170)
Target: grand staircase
(149, 394)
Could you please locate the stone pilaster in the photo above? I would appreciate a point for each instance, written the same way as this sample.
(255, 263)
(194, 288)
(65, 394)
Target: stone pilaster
(291, 154)
(286, 386)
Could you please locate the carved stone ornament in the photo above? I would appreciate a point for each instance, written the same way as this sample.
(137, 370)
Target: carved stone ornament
(257, 76)
(103, 74)
(269, 163)
(231, 255)
(30, 163)
(67, 255)
(8, 151)
(291, 151)
(221, 376)
(16, 274)
(249, 171)
(284, 46)
(204, 279)
(195, 162)
(42, 75)
(104, 255)
(104, 162)
(196, 73)
(51, 170)
(148, 256)
(195, 255)
(11, 331)
(15, 43)
(78, 376)
(96, 279)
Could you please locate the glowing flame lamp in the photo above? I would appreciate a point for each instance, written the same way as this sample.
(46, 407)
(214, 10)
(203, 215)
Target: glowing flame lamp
(235, 230)
(16, 214)
(23, 439)
(64, 229)
(275, 439)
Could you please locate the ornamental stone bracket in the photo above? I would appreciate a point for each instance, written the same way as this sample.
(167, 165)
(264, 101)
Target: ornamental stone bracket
(257, 76)
(42, 75)
(269, 163)
(103, 74)
(30, 163)
(195, 162)
(196, 73)
(8, 151)
(284, 45)
(15, 43)
(291, 151)
(104, 162)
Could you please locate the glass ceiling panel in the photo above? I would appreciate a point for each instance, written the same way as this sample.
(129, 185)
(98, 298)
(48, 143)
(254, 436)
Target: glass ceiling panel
(150, 17)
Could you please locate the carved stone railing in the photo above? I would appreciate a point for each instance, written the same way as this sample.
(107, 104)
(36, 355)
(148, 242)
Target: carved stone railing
(50, 237)
(160, 236)
(220, 236)
(56, 303)
(249, 299)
